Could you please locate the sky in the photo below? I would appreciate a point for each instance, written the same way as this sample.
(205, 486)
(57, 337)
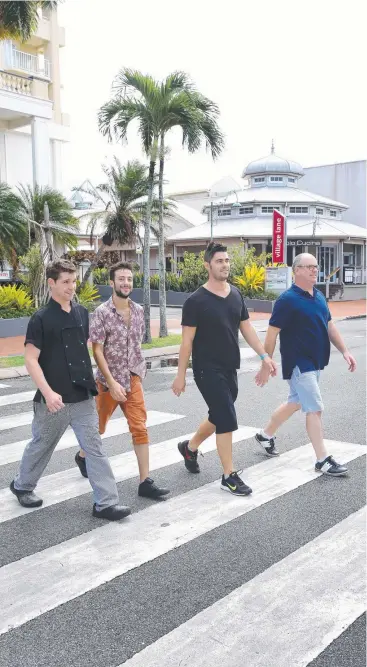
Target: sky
(290, 70)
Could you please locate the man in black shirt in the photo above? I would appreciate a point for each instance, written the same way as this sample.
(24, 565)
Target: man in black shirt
(58, 361)
(211, 320)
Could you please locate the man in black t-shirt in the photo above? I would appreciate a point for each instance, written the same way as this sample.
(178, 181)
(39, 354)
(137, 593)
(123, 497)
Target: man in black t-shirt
(58, 361)
(211, 320)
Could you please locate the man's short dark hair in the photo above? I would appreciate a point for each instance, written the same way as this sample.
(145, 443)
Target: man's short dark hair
(58, 266)
(118, 267)
(211, 249)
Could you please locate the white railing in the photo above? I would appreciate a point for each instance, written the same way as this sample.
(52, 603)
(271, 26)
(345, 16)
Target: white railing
(25, 62)
(14, 83)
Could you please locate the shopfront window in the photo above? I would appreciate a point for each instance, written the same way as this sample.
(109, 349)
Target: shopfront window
(326, 259)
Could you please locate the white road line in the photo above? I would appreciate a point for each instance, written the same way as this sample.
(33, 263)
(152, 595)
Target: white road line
(14, 450)
(69, 483)
(4, 386)
(35, 584)
(12, 421)
(287, 615)
(13, 399)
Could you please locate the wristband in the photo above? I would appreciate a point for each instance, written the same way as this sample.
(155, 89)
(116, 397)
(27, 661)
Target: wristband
(262, 356)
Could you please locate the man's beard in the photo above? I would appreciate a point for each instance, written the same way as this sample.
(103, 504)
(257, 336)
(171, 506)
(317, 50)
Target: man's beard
(122, 295)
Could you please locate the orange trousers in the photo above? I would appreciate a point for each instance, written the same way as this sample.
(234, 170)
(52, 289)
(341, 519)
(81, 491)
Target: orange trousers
(133, 409)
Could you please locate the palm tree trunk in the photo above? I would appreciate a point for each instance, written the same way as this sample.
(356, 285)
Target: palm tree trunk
(93, 265)
(161, 255)
(146, 249)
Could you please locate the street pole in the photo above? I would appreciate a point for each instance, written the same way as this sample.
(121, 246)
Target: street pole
(211, 220)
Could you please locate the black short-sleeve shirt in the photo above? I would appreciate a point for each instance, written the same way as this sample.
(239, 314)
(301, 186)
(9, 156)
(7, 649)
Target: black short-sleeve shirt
(62, 338)
(217, 320)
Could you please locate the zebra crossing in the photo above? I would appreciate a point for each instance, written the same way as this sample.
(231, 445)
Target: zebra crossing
(212, 600)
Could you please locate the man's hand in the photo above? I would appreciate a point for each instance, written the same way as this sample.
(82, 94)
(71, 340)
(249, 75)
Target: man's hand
(352, 364)
(53, 401)
(117, 392)
(268, 368)
(178, 385)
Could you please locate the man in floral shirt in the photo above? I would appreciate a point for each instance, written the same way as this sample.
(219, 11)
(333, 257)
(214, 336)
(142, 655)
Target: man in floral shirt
(116, 332)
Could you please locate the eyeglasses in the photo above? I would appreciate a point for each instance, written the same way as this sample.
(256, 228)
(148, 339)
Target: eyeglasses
(310, 267)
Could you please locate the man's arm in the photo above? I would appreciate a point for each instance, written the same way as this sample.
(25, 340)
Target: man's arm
(337, 340)
(53, 400)
(188, 335)
(271, 339)
(117, 392)
(268, 366)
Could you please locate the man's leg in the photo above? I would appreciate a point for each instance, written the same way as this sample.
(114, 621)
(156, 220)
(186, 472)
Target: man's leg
(47, 429)
(106, 406)
(136, 415)
(279, 416)
(316, 434)
(84, 422)
(224, 447)
(205, 430)
(266, 437)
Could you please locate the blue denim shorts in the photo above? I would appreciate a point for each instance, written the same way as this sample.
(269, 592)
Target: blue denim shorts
(304, 389)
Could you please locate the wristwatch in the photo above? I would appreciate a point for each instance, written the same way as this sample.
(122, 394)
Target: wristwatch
(262, 356)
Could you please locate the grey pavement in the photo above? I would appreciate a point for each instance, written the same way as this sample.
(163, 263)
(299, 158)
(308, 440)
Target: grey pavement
(110, 623)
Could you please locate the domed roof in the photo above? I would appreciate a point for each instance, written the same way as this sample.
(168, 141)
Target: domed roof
(273, 164)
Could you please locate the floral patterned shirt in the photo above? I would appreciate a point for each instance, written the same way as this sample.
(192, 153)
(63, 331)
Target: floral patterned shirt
(121, 343)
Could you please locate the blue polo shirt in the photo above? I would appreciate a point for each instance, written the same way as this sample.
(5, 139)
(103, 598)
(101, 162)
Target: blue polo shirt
(304, 338)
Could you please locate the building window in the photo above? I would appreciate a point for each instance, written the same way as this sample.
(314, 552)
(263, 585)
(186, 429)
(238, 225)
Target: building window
(258, 248)
(319, 211)
(298, 209)
(332, 213)
(291, 179)
(224, 211)
(276, 179)
(259, 179)
(269, 209)
(246, 210)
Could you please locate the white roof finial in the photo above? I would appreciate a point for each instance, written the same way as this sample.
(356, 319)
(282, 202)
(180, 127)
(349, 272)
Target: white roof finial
(272, 147)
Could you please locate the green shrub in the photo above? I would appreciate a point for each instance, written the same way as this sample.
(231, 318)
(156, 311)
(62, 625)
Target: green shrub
(138, 280)
(88, 296)
(15, 302)
(101, 277)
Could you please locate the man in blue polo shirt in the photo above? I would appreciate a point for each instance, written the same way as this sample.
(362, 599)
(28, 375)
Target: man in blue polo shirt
(302, 318)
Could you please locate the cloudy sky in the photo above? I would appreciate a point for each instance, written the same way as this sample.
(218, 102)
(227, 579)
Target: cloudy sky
(289, 70)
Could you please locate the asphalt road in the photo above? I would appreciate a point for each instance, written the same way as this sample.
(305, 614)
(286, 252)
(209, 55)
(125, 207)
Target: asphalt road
(109, 622)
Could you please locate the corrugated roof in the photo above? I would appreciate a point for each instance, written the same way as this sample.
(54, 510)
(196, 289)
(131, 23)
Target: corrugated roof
(278, 194)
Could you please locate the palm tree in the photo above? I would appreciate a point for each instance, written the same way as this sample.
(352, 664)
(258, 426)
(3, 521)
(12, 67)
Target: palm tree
(19, 20)
(13, 226)
(60, 229)
(136, 98)
(182, 106)
(124, 200)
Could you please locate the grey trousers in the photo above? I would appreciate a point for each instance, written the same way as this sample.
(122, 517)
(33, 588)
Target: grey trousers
(47, 429)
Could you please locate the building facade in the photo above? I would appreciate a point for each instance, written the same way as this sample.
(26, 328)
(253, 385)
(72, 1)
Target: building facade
(315, 223)
(33, 127)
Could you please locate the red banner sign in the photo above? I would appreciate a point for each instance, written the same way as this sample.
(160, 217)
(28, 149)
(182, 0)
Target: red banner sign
(279, 238)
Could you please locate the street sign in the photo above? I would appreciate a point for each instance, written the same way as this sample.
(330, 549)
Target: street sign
(279, 238)
(4, 275)
(278, 278)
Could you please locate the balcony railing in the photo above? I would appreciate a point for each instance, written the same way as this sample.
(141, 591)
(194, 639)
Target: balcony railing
(15, 83)
(25, 62)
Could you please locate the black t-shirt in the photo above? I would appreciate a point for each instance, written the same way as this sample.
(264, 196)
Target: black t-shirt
(217, 320)
(65, 361)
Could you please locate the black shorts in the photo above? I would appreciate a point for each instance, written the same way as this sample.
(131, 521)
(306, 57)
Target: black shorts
(219, 390)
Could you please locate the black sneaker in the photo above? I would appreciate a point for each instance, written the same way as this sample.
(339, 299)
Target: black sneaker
(267, 445)
(26, 498)
(80, 461)
(330, 467)
(148, 489)
(234, 484)
(191, 458)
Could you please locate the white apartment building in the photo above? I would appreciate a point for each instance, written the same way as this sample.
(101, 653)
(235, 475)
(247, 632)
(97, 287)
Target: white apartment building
(32, 125)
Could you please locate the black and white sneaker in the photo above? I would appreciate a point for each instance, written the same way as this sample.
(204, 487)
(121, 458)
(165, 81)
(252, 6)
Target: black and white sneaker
(268, 445)
(330, 467)
(234, 484)
(190, 458)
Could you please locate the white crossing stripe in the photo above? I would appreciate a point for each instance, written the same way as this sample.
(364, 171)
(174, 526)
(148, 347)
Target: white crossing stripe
(4, 386)
(287, 615)
(14, 450)
(19, 419)
(13, 399)
(69, 483)
(35, 584)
